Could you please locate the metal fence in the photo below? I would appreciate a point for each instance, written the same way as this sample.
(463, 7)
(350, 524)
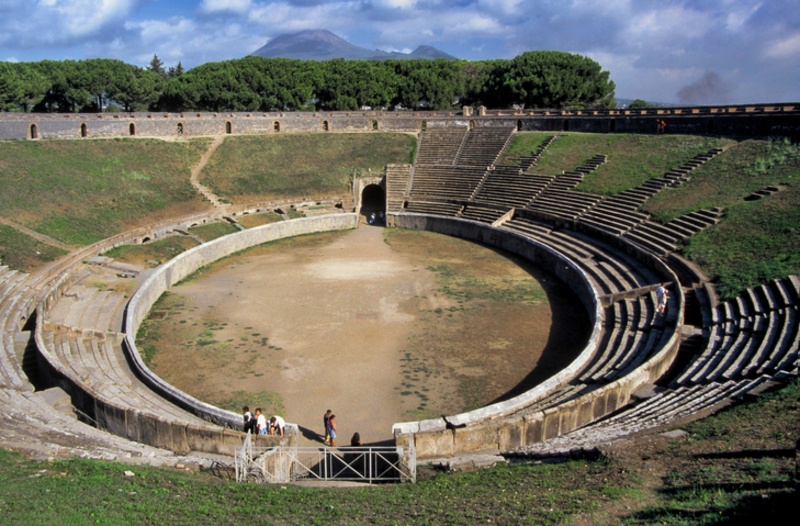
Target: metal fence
(359, 464)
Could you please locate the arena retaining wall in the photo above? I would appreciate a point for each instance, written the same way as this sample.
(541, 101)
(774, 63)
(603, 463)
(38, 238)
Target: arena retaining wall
(772, 119)
(499, 426)
(184, 264)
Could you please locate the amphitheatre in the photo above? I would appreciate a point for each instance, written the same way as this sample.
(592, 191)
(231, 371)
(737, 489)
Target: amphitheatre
(76, 378)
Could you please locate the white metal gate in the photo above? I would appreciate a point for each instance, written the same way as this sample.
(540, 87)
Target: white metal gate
(360, 464)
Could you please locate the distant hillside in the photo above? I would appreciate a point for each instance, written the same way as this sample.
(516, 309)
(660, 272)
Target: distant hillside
(321, 44)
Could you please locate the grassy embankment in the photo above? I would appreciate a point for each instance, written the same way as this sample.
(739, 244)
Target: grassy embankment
(734, 467)
(248, 169)
(756, 241)
(80, 192)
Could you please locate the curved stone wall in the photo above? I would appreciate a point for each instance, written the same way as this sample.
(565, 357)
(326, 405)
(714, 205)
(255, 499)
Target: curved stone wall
(497, 425)
(184, 264)
(776, 119)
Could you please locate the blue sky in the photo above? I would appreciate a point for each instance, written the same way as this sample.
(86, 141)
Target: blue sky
(694, 52)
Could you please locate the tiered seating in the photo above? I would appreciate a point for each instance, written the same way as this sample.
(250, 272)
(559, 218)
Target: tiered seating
(14, 295)
(482, 213)
(662, 409)
(484, 146)
(527, 161)
(397, 176)
(619, 214)
(663, 239)
(755, 334)
(634, 333)
(612, 270)
(509, 186)
(440, 146)
(456, 183)
(439, 208)
(97, 363)
(557, 201)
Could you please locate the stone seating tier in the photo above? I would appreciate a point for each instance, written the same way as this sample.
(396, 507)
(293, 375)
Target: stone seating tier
(440, 146)
(753, 335)
(484, 146)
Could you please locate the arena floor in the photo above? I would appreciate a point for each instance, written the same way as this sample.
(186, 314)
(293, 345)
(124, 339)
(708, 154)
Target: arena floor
(380, 326)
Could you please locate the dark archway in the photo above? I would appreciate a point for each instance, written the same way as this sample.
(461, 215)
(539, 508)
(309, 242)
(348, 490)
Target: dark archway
(519, 125)
(612, 126)
(131, 129)
(325, 126)
(566, 125)
(34, 131)
(375, 125)
(277, 126)
(179, 128)
(84, 130)
(471, 125)
(373, 200)
(228, 127)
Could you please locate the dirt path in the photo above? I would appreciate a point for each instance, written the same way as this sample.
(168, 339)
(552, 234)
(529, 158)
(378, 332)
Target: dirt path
(195, 179)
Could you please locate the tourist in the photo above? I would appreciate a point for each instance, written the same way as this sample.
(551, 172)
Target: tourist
(276, 423)
(261, 422)
(661, 127)
(325, 418)
(249, 422)
(356, 440)
(372, 218)
(382, 217)
(332, 429)
(661, 296)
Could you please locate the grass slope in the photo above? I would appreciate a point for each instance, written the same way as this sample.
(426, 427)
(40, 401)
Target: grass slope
(83, 191)
(250, 168)
(22, 252)
(736, 467)
(757, 241)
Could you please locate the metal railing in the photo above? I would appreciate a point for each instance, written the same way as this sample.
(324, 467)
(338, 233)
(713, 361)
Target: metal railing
(293, 464)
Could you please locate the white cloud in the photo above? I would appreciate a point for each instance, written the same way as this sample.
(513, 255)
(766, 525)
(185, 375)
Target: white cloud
(235, 6)
(670, 24)
(157, 31)
(785, 48)
(11, 59)
(737, 18)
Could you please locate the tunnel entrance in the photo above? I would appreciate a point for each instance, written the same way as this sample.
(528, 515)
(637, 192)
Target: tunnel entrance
(373, 200)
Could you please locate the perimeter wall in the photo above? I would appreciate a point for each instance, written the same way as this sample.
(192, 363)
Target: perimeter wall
(778, 119)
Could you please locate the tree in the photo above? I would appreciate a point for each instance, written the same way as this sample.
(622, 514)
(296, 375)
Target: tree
(640, 104)
(157, 66)
(177, 71)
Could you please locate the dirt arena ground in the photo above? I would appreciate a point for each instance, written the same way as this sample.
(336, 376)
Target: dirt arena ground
(379, 325)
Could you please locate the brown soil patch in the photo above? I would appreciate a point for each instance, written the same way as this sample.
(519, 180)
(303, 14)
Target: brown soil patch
(380, 332)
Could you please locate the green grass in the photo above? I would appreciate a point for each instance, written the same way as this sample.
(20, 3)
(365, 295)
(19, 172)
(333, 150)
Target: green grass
(740, 473)
(80, 192)
(152, 254)
(244, 169)
(756, 241)
(213, 230)
(632, 159)
(523, 144)
(22, 252)
(254, 220)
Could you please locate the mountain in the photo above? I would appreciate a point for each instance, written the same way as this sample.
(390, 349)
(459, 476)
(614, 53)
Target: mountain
(320, 44)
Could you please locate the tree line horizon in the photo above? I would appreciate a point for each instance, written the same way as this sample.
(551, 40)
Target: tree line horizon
(534, 79)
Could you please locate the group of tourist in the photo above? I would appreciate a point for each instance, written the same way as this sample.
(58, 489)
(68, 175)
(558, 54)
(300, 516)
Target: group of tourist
(379, 219)
(258, 425)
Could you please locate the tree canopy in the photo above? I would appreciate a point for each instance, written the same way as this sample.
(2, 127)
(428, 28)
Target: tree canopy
(536, 79)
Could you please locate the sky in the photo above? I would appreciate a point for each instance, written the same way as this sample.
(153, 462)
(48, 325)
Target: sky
(671, 51)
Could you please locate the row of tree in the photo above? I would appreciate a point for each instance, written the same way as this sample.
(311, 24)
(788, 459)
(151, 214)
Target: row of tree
(537, 79)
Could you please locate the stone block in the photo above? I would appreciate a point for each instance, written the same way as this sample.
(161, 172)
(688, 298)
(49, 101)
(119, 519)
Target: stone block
(476, 438)
(434, 444)
(203, 439)
(534, 429)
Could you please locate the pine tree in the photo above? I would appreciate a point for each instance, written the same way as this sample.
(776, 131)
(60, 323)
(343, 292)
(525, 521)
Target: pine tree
(157, 66)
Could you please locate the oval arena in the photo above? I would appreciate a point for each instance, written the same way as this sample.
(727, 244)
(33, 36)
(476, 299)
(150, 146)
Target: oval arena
(635, 365)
